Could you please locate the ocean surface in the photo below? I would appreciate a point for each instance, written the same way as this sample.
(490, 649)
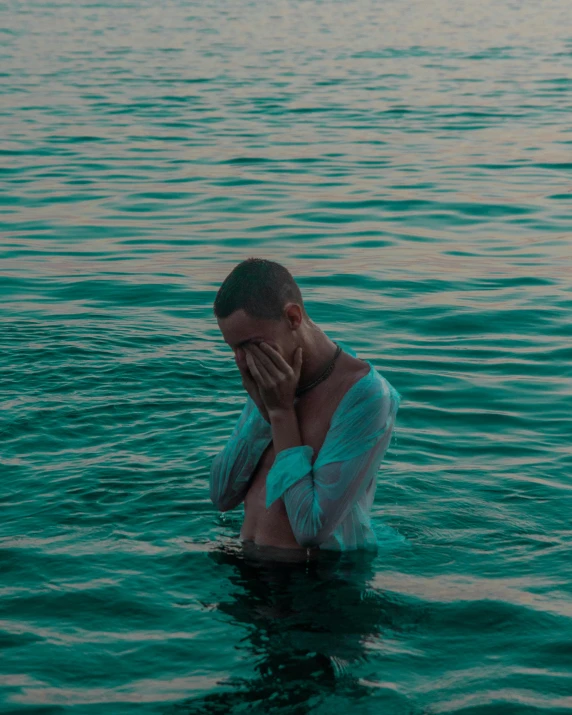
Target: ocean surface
(411, 164)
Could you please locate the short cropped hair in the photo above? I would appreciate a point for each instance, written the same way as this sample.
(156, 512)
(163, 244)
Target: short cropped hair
(259, 287)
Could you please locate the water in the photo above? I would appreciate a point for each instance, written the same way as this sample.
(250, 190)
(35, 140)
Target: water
(410, 163)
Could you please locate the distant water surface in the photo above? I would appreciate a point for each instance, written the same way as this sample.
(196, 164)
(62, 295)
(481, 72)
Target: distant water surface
(411, 164)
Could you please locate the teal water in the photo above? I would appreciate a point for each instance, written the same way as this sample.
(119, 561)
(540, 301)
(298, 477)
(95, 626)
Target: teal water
(411, 164)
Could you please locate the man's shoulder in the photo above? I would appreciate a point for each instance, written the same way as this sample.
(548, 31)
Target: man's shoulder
(362, 381)
(354, 371)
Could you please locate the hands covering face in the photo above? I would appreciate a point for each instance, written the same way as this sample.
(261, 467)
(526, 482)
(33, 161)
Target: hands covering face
(276, 379)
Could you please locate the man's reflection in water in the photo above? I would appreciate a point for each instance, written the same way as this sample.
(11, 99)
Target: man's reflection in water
(310, 616)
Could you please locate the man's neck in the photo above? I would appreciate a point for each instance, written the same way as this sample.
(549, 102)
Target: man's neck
(317, 351)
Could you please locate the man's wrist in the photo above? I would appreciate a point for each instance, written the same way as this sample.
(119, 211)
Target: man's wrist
(285, 428)
(282, 414)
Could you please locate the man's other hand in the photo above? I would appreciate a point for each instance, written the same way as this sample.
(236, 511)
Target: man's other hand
(250, 384)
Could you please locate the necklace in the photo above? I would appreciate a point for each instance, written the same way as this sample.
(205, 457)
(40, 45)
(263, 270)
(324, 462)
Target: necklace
(323, 376)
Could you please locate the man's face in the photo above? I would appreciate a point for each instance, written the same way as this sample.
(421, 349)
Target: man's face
(239, 330)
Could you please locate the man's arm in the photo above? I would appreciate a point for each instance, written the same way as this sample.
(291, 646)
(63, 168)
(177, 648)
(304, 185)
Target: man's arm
(233, 466)
(318, 497)
(285, 429)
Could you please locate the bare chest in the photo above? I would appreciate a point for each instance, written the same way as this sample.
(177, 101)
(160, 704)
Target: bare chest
(313, 422)
(271, 526)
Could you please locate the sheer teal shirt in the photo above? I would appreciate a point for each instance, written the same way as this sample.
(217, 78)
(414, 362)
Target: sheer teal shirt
(328, 496)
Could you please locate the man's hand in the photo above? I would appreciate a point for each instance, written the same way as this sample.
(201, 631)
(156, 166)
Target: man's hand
(276, 379)
(250, 384)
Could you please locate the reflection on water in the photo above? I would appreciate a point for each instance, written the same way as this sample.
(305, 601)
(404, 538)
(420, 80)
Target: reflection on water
(305, 621)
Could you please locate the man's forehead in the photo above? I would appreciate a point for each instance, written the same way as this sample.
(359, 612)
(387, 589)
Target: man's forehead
(246, 341)
(239, 329)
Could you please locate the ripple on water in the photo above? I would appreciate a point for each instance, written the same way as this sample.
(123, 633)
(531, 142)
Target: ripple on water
(417, 184)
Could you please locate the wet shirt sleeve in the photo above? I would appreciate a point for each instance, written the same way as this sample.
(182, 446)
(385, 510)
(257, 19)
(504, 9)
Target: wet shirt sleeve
(232, 468)
(318, 496)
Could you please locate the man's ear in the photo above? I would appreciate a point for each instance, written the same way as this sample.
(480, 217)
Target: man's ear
(293, 314)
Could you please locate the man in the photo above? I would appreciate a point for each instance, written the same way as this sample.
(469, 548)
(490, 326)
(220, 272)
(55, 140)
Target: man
(304, 454)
